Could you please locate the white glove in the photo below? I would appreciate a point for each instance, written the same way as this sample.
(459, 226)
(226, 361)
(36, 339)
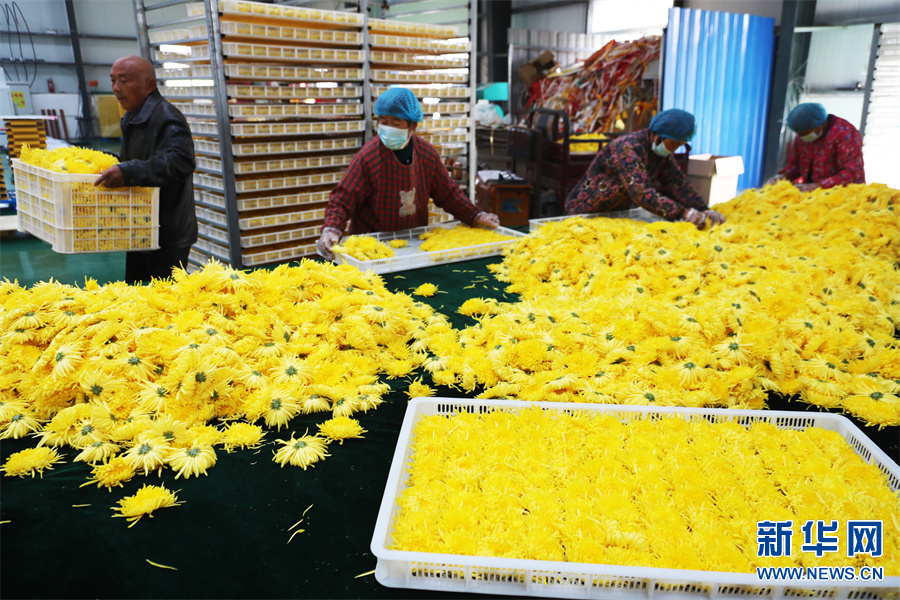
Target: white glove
(329, 238)
(486, 219)
(695, 217)
(714, 216)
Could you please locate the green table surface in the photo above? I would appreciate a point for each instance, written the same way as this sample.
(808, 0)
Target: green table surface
(230, 537)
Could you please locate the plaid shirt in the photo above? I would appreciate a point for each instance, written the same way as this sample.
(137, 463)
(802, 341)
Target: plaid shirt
(834, 159)
(378, 193)
(625, 173)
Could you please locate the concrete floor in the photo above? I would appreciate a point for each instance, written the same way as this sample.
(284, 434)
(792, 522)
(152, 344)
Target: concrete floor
(29, 260)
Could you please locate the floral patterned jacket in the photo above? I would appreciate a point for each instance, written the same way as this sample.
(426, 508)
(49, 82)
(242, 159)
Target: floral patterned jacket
(834, 159)
(626, 173)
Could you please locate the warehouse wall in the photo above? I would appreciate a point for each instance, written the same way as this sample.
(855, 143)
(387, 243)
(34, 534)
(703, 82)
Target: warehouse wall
(570, 18)
(99, 17)
(836, 12)
(619, 15)
(759, 8)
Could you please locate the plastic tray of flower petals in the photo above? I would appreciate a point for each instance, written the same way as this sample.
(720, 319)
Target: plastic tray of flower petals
(412, 257)
(635, 214)
(69, 212)
(560, 579)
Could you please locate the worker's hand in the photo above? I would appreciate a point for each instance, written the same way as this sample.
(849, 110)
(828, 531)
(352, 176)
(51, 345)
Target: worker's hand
(112, 177)
(695, 217)
(714, 216)
(486, 219)
(329, 238)
(776, 179)
(807, 187)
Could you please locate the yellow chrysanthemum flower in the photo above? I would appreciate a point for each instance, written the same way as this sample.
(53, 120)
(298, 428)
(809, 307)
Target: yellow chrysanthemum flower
(147, 500)
(301, 452)
(30, 461)
(341, 428)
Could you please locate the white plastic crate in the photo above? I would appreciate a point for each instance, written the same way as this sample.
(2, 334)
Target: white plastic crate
(280, 255)
(327, 18)
(291, 92)
(443, 138)
(387, 76)
(213, 216)
(282, 201)
(279, 183)
(216, 250)
(172, 90)
(411, 257)
(290, 218)
(215, 233)
(251, 240)
(70, 213)
(446, 108)
(209, 198)
(187, 71)
(635, 214)
(411, 28)
(293, 110)
(168, 36)
(279, 33)
(274, 148)
(406, 60)
(419, 44)
(269, 166)
(428, 91)
(209, 181)
(443, 123)
(519, 577)
(290, 53)
(201, 127)
(454, 149)
(287, 73)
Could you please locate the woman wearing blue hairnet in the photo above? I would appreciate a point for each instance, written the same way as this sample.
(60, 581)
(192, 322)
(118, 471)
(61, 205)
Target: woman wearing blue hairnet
(826, 152)
(638, 170)
(388, 183)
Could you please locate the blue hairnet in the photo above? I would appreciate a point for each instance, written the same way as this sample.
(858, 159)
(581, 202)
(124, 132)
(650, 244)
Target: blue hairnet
(674, 123)
(398, 102)
(806, 116)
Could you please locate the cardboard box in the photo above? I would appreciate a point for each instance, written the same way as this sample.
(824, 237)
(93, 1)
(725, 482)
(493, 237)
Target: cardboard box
(714, 177)
(109, 115)
(532, 71)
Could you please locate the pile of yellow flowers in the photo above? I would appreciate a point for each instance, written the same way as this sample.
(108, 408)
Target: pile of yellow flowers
(666, 493)
(69, 160)
(130, 376)
(442, 238)
(617, 311)
(363, 247)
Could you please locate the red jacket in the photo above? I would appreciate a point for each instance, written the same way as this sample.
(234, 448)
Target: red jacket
(378, 193)
(834, 159)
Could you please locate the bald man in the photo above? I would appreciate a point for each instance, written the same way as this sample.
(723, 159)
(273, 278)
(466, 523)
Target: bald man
(157, 151)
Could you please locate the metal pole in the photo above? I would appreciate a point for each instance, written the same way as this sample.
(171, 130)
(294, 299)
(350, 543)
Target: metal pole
(473, 86)
(794, 13)
(224, 126)
(87, 119)
(870, 76)
(367, 71)
(140, 21)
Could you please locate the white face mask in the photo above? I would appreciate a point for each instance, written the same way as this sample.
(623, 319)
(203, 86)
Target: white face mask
(811, 137)
(393, 137)
(661, 150)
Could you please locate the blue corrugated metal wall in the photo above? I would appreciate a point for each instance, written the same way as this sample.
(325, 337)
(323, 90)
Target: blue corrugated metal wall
(718, 66)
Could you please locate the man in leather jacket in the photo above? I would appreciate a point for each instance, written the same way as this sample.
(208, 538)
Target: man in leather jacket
(157, 151)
